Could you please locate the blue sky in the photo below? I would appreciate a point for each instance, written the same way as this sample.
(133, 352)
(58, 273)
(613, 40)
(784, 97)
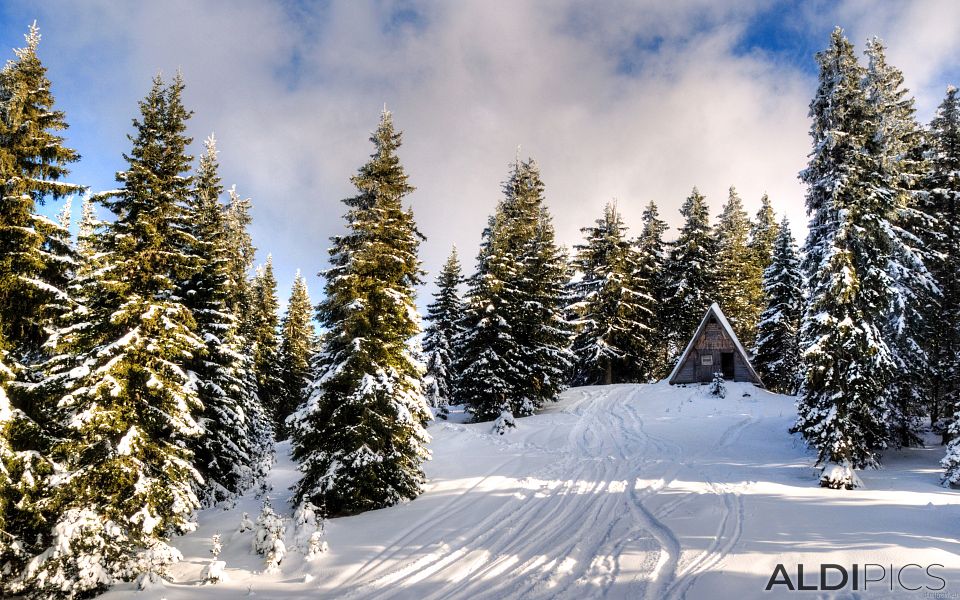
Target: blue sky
(616, 99)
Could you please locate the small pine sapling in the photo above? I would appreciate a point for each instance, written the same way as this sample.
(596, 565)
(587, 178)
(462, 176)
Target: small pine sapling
(268, 538)
(214, 571)
(504, 422)
(245, 523)
(310, 528)
(717, 386)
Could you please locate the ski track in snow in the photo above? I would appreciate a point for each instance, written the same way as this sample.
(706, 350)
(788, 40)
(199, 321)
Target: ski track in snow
(628, 491)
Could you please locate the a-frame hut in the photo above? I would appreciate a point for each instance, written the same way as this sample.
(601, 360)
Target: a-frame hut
(714, 348)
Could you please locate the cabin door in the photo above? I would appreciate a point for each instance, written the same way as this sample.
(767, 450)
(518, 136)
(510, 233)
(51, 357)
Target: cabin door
(726, 364)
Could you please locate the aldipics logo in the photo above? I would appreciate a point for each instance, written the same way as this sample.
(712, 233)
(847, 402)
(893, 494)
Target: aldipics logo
(866, 577)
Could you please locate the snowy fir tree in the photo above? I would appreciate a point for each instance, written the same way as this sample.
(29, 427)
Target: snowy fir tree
(738, 274)
(223, 453)
(360, 439)
(943, 183)
(264, 337)
(652, 276)
(763, 234)
(126, 402)
(845, 405)
(33, 163)
(691, 279)
(895, 149)
(612, 311)
(777, 352)
(444, 317)
(35, 263)
(514, 355)
(297, 343)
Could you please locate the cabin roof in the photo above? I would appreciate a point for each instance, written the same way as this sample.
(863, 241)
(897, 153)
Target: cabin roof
(725, 324)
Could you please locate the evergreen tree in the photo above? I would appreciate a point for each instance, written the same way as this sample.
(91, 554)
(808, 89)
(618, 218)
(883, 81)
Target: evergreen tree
(445, 316)
(34, 268)
(265, 338)
(360, 438)
(896, 150)
(651, 274)
(296, 352)
(763, 234)
(223, 454)
(739, 288)
(515, 351)
(777, 353)
(239, 295)
(612, 311)
(943, 183)
(33, 163)
(845, 400)
(127, 404)
(691, 284)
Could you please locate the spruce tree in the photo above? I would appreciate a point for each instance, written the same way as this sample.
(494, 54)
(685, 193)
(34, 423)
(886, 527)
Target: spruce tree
(691, 283)
(35, 265)
(845, 402)
(33, 163)
(360, 438)
(441, 335)
(651, 275)
(515, 351)
(610, 308)
(223, 453)
(943, 183)
(127, 404)
(763, 234)
(738, 274)
(777, 352)
(264, 334)
(239, 294)
(895, 147)
(296, 352)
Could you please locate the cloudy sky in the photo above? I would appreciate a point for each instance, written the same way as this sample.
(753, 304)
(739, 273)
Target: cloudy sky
(633, 100)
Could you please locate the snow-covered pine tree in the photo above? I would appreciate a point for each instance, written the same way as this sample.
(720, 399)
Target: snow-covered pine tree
(739, 278)
(298, 341)
(444, 315)
(515, 353)
(896, 150)
(33, 163)
(610, 309)
(763, 233)
(34, 269)
(360, 439)
(691, 277)
(651, 275)
(943, 182)
(844, 407)
(777, 352)
(265, 337)
(128, 404)
(485, 367)
(223, 454)
(239, 297)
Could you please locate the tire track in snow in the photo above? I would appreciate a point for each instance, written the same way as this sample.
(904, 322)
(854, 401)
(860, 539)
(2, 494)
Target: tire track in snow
(478, 534)
(730, 529)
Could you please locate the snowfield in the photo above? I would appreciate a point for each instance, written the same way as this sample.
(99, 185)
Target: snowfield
(629, 491)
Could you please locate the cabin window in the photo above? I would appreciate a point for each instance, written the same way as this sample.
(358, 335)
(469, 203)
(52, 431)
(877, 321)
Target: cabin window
(706, 360)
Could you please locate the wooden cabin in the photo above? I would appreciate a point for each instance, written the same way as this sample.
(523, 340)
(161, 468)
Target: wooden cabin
(714, 348)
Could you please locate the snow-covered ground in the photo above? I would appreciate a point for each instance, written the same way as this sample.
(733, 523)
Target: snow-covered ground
(631, 491)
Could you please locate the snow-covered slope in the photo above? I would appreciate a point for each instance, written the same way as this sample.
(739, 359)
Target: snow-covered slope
(632, 491)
